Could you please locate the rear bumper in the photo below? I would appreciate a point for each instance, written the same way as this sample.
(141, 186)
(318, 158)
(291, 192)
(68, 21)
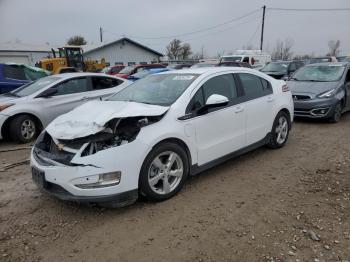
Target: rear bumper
(315, 108)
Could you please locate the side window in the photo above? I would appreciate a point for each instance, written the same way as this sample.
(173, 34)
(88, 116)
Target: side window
(347, 79)
(267, 87)
(220, 85)
(99, 83)
(77, 85)
(246, 59)
(252, 86)
(14, 72)
(292, 67)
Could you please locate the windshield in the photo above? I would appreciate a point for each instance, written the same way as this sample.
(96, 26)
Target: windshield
(231, 59)
(127, 70)
(35, 86)
(320, 73)
(162, 89)
(275, 67)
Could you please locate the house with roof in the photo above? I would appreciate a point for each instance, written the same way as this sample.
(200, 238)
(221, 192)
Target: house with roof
(123, 51)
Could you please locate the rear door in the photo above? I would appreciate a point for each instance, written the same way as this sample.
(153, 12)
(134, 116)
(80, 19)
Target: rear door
(347, 88)
(219, 130)
(258, 103)
(103, 87)
(70, 94)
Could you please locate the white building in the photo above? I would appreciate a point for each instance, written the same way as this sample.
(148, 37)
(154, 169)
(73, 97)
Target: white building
(23, 53)
(123, 51)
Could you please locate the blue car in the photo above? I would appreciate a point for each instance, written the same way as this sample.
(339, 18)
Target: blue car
(13, 76)
(146, 72)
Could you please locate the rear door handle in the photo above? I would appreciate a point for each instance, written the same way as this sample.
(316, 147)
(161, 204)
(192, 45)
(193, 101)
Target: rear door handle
(239, 109)
(270, 99)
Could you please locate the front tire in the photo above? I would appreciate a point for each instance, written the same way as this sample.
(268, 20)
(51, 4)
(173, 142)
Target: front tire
(280, 130)
(163, 172)
(335, 118)
(23, 129)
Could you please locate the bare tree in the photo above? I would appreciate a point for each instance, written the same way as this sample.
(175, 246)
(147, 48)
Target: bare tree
(248, 47)
(76, 40)
(185, 51)
(282, 50)
(174, 49)
(334, 47)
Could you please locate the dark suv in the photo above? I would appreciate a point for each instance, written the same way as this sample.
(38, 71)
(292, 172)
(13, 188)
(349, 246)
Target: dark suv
(281, 69)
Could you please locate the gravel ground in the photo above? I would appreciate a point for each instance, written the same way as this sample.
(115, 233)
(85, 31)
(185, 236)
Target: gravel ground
(290, 204)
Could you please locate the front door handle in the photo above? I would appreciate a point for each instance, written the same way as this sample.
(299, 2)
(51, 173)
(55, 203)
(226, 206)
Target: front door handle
(85, 98)
(239, 109)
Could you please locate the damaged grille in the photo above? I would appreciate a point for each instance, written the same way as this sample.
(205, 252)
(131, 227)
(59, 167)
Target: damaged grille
(46, 148)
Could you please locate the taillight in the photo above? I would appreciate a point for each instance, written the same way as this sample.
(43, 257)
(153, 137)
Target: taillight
(285, 88)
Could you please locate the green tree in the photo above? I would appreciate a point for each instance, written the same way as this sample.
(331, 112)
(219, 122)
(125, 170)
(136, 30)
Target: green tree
(76, 40)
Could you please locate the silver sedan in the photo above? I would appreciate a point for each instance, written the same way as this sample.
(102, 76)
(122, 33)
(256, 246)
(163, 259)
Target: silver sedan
(25, 111)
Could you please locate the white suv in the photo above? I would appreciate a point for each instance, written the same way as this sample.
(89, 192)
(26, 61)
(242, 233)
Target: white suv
(150, 136)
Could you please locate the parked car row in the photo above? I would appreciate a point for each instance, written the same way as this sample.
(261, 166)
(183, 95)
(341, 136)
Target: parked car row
(147, 137)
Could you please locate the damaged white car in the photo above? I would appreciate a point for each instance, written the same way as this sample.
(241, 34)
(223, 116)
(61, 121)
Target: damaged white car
(150, 136)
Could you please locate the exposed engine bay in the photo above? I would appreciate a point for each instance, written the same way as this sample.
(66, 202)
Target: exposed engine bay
(117, 132)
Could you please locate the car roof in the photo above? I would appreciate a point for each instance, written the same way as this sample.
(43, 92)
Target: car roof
(70, 75)
(208, 70)
(329, 64)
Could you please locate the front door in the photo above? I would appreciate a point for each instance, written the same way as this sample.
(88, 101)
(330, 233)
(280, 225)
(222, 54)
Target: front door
(219, 130)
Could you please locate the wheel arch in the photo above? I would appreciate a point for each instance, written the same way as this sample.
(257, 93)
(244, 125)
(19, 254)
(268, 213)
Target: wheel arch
(6, 125)
(179, 142)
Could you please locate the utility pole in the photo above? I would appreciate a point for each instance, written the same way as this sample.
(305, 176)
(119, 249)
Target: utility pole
(101, 32)
(262, 28)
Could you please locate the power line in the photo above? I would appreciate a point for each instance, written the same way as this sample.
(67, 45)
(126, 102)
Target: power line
(196, 31)
(307, 9)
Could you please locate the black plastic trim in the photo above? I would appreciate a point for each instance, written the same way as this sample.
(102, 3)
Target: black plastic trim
(195, 169)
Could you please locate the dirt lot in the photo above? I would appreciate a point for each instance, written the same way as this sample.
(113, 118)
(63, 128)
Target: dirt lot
(268, 205)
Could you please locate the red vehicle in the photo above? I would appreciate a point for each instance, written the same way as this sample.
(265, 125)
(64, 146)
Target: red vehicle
(112, 70)
(130, 70)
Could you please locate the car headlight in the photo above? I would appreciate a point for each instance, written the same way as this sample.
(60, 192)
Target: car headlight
(327, 94)
(3, 107)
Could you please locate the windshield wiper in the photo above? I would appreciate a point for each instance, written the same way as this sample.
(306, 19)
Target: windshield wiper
(293, 78)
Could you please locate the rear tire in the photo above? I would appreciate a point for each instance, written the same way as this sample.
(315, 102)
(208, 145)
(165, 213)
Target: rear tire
(163, 172)
(335, 118)
(23, 129)
(280, 130)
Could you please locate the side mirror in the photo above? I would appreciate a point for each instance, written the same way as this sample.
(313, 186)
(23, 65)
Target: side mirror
(48, 92)
(216, 100)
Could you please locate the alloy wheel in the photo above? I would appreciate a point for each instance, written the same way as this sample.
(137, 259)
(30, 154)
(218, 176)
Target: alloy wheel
(165, 172)
(28, 129)
(282, 130)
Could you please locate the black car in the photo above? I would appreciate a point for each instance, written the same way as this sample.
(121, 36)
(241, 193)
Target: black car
(321, 90)
(281, 69)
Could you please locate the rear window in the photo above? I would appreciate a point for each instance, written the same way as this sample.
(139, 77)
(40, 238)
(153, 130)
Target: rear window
(99, 83)
(14, 72)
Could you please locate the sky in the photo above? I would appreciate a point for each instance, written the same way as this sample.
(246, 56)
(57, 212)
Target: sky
(156, 22)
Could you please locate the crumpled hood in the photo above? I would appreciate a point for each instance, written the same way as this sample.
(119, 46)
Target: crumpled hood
(315, 88)
(91, 117)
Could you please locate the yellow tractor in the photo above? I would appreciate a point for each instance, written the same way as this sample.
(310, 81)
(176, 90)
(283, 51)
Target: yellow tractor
(70, 59)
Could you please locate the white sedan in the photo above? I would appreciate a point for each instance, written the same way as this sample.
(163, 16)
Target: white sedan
(148, 138)
(27, 110)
